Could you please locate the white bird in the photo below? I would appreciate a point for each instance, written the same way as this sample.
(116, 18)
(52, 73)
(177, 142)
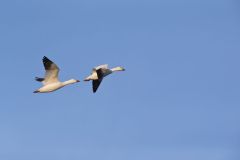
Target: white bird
(98, 73)
(50, 81)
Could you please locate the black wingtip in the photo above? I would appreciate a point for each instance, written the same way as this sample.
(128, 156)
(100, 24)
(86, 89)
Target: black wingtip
(45, 58)
(36, 92)
(48, 63)
(94, 89)
(39, 79)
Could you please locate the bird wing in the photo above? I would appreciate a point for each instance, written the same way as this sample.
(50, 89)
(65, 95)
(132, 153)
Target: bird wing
(52, 70)
(96, 83)
(103, 66)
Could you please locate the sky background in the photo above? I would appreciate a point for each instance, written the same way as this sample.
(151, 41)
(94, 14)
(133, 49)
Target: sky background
(178, 98)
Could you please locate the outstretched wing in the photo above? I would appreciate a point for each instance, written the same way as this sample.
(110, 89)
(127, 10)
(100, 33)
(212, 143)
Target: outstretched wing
(96, 84)
(52, 70)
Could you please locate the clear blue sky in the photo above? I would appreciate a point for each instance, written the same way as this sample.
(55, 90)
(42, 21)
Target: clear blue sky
(179, 98)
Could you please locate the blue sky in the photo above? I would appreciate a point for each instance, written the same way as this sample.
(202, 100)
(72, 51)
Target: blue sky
(178, 99)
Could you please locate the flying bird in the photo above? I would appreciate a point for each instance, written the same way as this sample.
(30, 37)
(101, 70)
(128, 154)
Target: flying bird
(98, 73)
(50, 81)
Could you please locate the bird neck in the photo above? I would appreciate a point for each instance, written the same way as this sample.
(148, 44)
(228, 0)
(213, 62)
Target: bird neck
(116, 69)
(68, 82)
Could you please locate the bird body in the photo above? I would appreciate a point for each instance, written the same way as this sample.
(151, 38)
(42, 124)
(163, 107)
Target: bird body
(95, 76)
(50, 87)
(98, 73)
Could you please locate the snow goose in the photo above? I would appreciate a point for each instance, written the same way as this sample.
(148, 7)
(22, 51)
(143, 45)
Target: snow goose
(98, 73)
(50, 81)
